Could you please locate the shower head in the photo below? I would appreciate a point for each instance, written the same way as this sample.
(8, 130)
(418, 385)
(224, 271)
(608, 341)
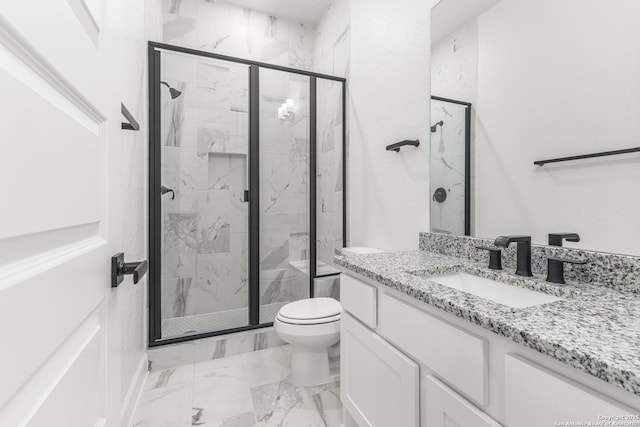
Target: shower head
(173, 92)
(435, 127)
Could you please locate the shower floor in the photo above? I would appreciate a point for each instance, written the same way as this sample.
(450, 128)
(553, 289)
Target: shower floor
(217, 321)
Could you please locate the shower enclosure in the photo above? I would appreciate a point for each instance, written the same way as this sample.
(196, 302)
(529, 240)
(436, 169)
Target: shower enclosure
(450, 164)
(246, 199)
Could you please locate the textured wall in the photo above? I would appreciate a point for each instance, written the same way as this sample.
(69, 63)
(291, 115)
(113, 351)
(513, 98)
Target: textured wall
(569, 89)
(133, 24)
(389, 102)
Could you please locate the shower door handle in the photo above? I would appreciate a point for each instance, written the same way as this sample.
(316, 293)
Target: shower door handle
(246, 196)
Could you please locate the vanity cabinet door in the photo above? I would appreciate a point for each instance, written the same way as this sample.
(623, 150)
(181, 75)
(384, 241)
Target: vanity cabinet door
(359, 299)
(379, 385)
(457, 356)
(536, 396)
(446, 408)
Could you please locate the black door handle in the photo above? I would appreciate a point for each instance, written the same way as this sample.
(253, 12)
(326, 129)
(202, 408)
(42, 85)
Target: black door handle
(119, 269)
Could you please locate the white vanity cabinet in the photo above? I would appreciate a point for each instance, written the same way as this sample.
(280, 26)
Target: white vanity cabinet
(378, 384)
(404, 363)
(383, 342)
(458, 357)
(536, 396)
(445, 408)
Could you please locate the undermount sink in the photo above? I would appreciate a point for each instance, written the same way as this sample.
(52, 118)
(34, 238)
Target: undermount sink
(510, 295)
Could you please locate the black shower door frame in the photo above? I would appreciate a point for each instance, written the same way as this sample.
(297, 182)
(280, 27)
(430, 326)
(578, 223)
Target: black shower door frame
(155, 232)
(467, 160)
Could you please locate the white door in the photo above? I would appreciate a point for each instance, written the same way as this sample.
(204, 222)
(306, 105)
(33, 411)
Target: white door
(378, 384)
(59, 128)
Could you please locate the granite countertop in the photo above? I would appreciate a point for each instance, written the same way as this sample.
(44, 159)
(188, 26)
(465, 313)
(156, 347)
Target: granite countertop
(594, 329)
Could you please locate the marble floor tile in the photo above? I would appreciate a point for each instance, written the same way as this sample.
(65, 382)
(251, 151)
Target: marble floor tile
(267, 366)
(220, 391)
(245, 390)
(327, 401)
(285, 404)
(165, 407)
(248, 419)
(169, 377)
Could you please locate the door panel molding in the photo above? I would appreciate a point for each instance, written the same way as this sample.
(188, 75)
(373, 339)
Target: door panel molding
(21, 408)
(39, 74)
(27, 268)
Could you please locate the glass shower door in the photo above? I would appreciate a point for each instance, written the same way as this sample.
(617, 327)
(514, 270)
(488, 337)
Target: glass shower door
(449, 166)
(329, 174)
(204, 216)
(284, 190)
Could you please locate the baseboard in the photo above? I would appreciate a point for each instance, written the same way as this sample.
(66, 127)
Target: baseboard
(130, 402)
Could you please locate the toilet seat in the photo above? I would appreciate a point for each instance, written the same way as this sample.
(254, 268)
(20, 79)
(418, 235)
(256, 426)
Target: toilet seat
(311, 309)
(329, 319)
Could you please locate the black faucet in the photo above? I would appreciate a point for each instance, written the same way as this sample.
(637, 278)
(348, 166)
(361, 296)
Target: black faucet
(555, 268)
(495, 257)
(555, 239)
(524, 252)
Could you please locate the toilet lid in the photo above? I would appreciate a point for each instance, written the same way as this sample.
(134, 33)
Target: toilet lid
(312, 308)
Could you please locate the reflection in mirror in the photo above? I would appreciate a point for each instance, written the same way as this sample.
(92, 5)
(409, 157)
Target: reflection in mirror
(546, 79)
(449, 170)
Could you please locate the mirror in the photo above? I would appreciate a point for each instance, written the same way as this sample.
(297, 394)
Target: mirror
(545, 79)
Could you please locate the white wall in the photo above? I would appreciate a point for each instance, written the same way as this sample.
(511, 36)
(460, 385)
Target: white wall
(132, 24)
(389, 101)
(558, 79)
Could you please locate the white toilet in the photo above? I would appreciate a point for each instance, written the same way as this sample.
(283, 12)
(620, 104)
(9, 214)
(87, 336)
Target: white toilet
(359, 250)
(311, 326)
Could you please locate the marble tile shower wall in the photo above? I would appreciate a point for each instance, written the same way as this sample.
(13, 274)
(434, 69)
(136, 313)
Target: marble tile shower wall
(192, 279)
(606, 269)
(204, 133)
(227, 29)
(331, 52)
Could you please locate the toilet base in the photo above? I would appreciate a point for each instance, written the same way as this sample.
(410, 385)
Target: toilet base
(309, 366)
